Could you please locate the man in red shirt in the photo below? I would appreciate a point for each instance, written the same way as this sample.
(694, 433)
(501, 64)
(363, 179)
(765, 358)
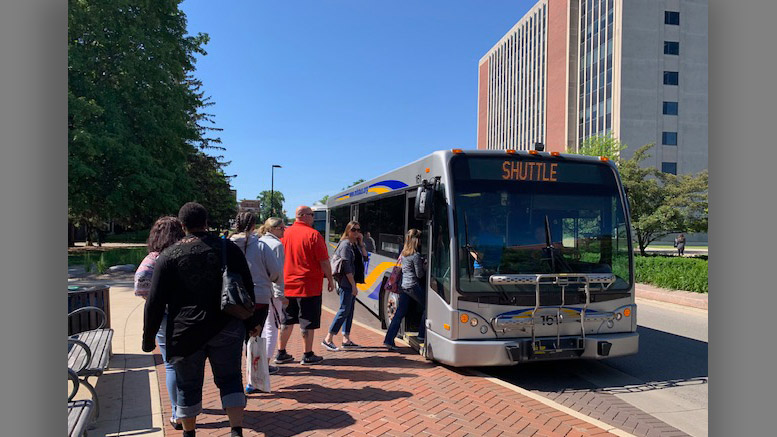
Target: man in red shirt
(305, 265)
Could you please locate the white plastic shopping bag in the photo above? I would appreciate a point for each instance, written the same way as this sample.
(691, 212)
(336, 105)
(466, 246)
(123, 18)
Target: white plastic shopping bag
(257, 370)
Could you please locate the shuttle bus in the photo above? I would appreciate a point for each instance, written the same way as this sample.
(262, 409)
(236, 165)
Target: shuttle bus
(529, 254)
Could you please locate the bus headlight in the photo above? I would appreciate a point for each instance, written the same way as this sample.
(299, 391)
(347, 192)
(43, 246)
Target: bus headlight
(474, 321)
(483, 329)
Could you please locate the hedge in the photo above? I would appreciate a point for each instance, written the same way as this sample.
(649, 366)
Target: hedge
(673, 272)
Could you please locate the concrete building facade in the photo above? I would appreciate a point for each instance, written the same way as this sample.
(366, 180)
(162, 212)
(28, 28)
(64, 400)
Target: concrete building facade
(571, 69)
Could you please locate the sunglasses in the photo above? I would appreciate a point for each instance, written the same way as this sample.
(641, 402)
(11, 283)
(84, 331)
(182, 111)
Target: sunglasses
(356, 230)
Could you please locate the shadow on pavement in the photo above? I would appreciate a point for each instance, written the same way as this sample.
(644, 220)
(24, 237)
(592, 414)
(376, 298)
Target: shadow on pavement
(314, 393)
(396, 360)
(664, 360)
(350, 374)
(287, 423)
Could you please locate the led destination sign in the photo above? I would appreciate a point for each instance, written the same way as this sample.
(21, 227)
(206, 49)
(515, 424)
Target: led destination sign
(545, 171)
(530, 171)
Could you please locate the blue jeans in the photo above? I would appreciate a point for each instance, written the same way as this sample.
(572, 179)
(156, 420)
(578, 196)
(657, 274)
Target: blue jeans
(225, 353)
(344, 316)
(169, 369)
(417, 294)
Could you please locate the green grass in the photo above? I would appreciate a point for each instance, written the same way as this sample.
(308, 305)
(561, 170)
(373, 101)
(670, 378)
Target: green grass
(673, 272)
(99, 262)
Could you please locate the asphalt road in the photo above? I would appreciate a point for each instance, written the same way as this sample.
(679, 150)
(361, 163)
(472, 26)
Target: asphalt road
(659, 391)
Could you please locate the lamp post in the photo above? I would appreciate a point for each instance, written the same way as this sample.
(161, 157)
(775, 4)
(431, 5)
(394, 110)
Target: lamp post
(272, 189)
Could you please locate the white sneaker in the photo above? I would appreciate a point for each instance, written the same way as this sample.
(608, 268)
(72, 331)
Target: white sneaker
(329, 346)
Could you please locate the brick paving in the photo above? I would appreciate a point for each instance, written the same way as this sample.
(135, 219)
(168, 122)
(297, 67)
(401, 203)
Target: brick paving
(371, 392)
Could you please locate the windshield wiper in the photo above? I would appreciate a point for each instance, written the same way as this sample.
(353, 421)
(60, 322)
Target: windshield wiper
(554, 254)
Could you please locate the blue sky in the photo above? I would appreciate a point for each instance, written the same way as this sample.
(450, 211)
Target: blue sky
(335, 91)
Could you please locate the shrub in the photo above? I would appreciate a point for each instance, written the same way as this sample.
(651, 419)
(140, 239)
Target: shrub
(673, 272)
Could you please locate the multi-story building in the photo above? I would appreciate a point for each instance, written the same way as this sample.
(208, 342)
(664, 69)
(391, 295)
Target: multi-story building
(571, 69)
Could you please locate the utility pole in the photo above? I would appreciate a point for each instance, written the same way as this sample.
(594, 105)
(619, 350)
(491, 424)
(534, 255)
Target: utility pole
(272, 189)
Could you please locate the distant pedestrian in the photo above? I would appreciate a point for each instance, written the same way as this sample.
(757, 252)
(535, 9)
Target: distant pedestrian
(679, 243)
(413, 271)
(306, 264)
(272, 231)
(369, 242)
(265, 269)
(187, 281)
(164, 232)
(353, 253)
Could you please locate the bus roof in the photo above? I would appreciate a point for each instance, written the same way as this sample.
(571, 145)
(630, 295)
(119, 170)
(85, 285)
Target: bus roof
(433, 165)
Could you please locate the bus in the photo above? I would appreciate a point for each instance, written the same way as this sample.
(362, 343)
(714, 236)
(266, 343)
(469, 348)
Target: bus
(319, 218)
(529, 254)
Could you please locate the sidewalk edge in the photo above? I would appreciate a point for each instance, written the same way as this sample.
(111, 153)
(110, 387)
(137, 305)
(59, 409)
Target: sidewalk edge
(536, 397)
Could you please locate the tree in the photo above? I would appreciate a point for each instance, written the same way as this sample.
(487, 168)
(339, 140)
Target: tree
(266, 207)
(135, 121)
(354, 183)
(600, 145)
(212, 189)
(324, 199)
(663, 203)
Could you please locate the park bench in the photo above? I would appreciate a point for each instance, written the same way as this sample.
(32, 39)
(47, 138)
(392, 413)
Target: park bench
(89, 352)
(78, 412)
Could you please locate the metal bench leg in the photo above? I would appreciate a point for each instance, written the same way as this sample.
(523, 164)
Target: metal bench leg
(94, 398)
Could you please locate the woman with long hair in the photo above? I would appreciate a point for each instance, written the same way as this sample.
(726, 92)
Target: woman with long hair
(265, 270)
(413, 270)
(164, 233)
(271, 233)
(353, 253)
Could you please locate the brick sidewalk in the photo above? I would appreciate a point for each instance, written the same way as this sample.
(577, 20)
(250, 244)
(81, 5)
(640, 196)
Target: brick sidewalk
(373, 392)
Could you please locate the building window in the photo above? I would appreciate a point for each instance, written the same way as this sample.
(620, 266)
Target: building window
(669, 167)
(669, 138)
(671, 17)
(671, 78)
(671, 48)
(670, 108)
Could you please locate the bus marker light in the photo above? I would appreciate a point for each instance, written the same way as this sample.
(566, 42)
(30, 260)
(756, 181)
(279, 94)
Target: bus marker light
(510, 151)
(627, 312)
(533, 152)
(474, 321)
(555, 153)
(604, 158)
(457, 151)
(464, 318)
(427, 169)
(446, 326)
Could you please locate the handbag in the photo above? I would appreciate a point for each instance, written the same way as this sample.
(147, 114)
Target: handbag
(257, 367)
(337, 261)
(395, 278)
(235, 299)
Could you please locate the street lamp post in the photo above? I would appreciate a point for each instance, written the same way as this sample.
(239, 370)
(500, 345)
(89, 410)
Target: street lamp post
(272, 189)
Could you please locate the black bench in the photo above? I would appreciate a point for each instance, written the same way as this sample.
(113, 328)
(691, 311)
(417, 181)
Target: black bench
(89, 352)
(78, 412)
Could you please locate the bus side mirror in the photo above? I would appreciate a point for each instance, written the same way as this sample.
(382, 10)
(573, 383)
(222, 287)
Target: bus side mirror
(423, 203)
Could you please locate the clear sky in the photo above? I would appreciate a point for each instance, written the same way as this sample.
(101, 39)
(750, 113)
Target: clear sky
(340, 90)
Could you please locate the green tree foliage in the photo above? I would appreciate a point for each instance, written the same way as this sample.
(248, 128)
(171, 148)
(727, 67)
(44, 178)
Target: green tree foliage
(600, 145)
(266, 208)
(663, 203)
(324, 199)
(212, 190)
(136, 130)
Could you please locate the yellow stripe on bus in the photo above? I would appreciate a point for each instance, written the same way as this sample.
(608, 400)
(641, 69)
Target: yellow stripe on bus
(375, 275)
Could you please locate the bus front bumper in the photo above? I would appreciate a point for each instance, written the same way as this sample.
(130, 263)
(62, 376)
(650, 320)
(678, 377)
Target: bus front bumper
(507, 352)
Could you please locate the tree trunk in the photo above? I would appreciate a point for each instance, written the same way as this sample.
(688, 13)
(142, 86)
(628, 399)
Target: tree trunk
(88, 228)
(71, 234)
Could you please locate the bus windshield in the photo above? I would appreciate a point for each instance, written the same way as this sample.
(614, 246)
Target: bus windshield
(525, 216)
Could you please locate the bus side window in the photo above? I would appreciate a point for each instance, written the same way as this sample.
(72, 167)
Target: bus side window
(440, 265)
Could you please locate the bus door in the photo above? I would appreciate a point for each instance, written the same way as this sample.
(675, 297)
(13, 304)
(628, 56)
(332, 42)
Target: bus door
(415, 311)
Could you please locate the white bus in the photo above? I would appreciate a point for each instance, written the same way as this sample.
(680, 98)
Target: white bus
(529, 254)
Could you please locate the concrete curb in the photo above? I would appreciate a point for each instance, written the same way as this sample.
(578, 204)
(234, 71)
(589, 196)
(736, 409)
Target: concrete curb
(677, 297)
